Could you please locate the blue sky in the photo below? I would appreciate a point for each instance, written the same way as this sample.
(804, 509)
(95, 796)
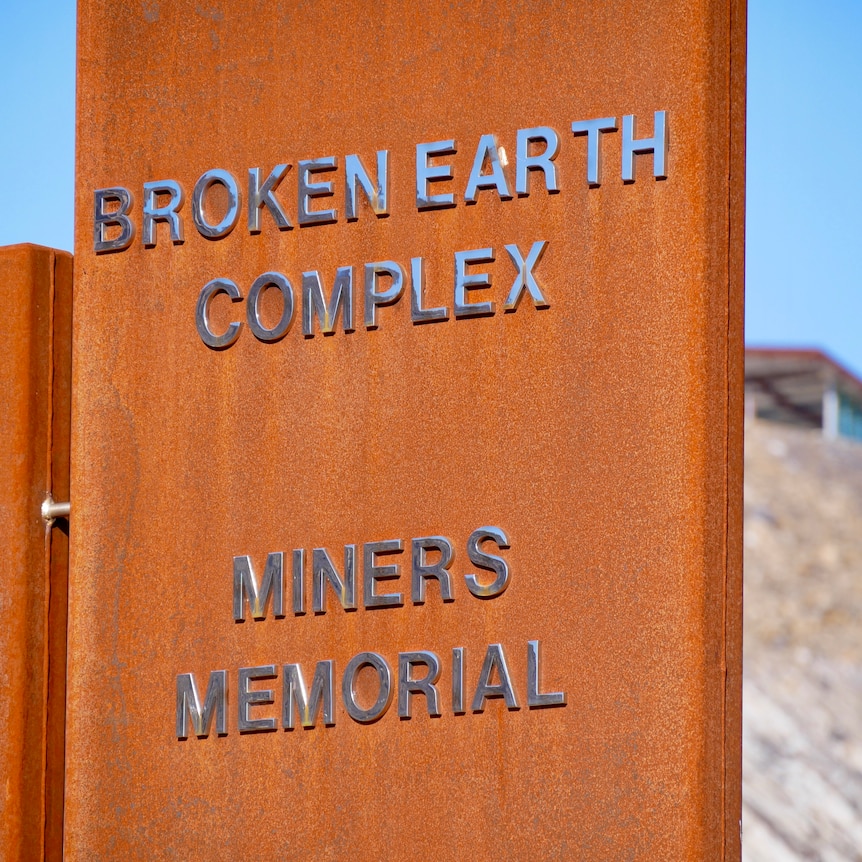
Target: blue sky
(804, 196)
(37, 121)
(804, 234)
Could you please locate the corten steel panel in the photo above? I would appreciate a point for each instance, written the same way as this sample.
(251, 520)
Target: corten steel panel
(602, 434)
(35, 366)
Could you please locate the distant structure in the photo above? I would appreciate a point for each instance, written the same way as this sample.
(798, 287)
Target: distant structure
(803, 387)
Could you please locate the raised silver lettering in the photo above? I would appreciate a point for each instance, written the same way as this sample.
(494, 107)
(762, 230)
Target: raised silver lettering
(205, 182)
(407, 686)
(245, 588)
(657, 145)
(475, 281)
(487, 153)
(248, 698)
(259, 285)
(544, 161)
(309, 190)
(315, 304)
(426, 174)
(593, 129)
(323, 571)
(418, 313)
(168, 212)
(260, 196)
(384, 682)
(373, 297)
(299, 581)
(117, 218)
(202, 313)
(371, 573)
(525, 280)
(421, 570)
(458, 680)
(189, 705)
(495, 660)
(295, 699)
(377, 194)
(535, 698)
(491, 562)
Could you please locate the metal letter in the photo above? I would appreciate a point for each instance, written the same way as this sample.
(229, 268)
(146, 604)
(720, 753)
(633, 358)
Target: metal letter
(295, 700)
(525, 280)
(384, 679)
(495, 659)
(487, 151)
(543, 161)
(169, 212)
(657, 145)
(314, 303)
(259, 285)
(426, 173)
(202, 313)
(260, 196)
(323, 570)
(308, 190)
(299, 581)
(417, 296)
(373, 298)
(421, 570)
(593, 130)
(118, 218)
(376, 194)
(407, 685)
(458, 680)
(490, 562)
(189, 705)
(245, 586)
(464, 282)
(248, 698)
(371, 573)
(231, 217)
(534, 698)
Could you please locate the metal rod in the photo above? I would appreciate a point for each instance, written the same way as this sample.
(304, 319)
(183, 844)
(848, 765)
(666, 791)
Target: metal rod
(52, 510)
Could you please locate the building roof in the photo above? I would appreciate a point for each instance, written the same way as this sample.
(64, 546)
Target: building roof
(789, 382)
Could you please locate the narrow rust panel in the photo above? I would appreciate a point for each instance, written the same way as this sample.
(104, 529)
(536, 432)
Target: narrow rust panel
(601, 433)
(35, 367)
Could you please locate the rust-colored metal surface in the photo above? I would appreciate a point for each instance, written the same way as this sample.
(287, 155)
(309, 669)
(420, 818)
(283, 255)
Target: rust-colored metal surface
(601, 433)
(35, 367)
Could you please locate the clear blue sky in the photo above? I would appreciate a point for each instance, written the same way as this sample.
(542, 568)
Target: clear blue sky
(804, 279)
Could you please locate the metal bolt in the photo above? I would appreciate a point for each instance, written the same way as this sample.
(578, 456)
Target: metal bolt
(52, 510)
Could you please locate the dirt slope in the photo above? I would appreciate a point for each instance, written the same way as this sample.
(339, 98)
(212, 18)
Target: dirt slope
(802, 737)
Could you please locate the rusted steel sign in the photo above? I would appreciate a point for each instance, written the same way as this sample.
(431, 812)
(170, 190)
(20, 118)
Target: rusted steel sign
(406, 453)
(35, 369)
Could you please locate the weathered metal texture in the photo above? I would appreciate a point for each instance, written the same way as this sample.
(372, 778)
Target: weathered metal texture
(35, 367)
(602, 433)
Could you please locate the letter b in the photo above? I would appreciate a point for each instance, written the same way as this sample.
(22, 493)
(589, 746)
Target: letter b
(118, 218)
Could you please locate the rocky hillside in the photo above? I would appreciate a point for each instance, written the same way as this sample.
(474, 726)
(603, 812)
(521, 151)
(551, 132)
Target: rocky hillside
(802, 743)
